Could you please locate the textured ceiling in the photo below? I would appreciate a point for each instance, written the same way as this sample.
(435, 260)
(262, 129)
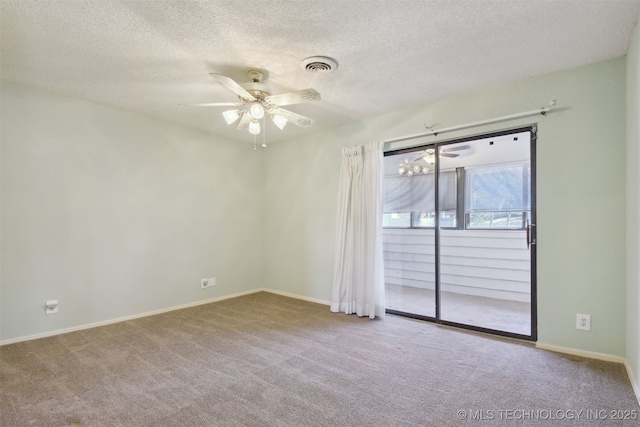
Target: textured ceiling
(149, 56)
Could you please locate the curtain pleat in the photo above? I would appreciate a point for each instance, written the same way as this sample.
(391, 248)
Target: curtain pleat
(358, 286)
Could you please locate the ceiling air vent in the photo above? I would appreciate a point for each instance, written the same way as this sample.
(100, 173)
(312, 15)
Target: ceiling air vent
(317, 64)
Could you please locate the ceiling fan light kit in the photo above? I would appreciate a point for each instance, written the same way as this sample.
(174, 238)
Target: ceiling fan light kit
(413, 166)
(279, 121)
(255, 102)
(254, 127)
(231, 116)
(256, 110)
(407, 168)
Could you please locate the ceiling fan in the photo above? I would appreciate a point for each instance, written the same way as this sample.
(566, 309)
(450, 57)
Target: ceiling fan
(421, 163)
(256, 102)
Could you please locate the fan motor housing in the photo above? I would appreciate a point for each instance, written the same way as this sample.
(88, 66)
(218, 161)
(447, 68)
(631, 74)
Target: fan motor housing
(258, 90)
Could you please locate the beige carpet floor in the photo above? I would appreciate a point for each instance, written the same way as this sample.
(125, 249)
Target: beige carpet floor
(268, 360)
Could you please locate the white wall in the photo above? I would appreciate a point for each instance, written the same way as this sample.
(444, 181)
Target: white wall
(581, 196)
(633, 208)
(116, 214)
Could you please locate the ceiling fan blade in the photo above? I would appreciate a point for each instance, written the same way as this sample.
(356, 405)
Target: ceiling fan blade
(292, 117)
(235, 87)
(244, 121)
(213, 104)
(445, 154)
(421, 156)
(297, 97)
(458, 148)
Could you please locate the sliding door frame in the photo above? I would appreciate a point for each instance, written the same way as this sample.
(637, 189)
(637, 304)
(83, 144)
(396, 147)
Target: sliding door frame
(532, 129)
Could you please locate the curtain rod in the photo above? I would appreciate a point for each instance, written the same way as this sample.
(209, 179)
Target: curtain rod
(543, 111)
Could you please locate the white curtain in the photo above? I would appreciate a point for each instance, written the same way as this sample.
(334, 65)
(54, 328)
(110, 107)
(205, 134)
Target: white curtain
(358, 284)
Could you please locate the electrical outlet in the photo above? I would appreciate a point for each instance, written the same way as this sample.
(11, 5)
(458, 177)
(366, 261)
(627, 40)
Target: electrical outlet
(583, 322)
(51, 306)
(207, 283)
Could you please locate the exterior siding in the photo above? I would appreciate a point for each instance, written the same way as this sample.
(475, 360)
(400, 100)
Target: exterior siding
(490, 263)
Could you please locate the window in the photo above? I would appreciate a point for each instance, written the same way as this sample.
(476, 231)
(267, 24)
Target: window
(410, 200)
(497, 197)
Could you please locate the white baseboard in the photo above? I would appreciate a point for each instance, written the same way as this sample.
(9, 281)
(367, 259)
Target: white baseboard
(124, 319)
(583, 353)
(296, 296)
(634, 382)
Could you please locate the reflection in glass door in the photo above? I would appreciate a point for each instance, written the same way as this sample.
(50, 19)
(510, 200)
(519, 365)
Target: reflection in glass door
(409, 235)
(467, 259)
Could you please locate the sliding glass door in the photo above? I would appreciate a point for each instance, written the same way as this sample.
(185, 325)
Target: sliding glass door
(409, 237)
(458, 233)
